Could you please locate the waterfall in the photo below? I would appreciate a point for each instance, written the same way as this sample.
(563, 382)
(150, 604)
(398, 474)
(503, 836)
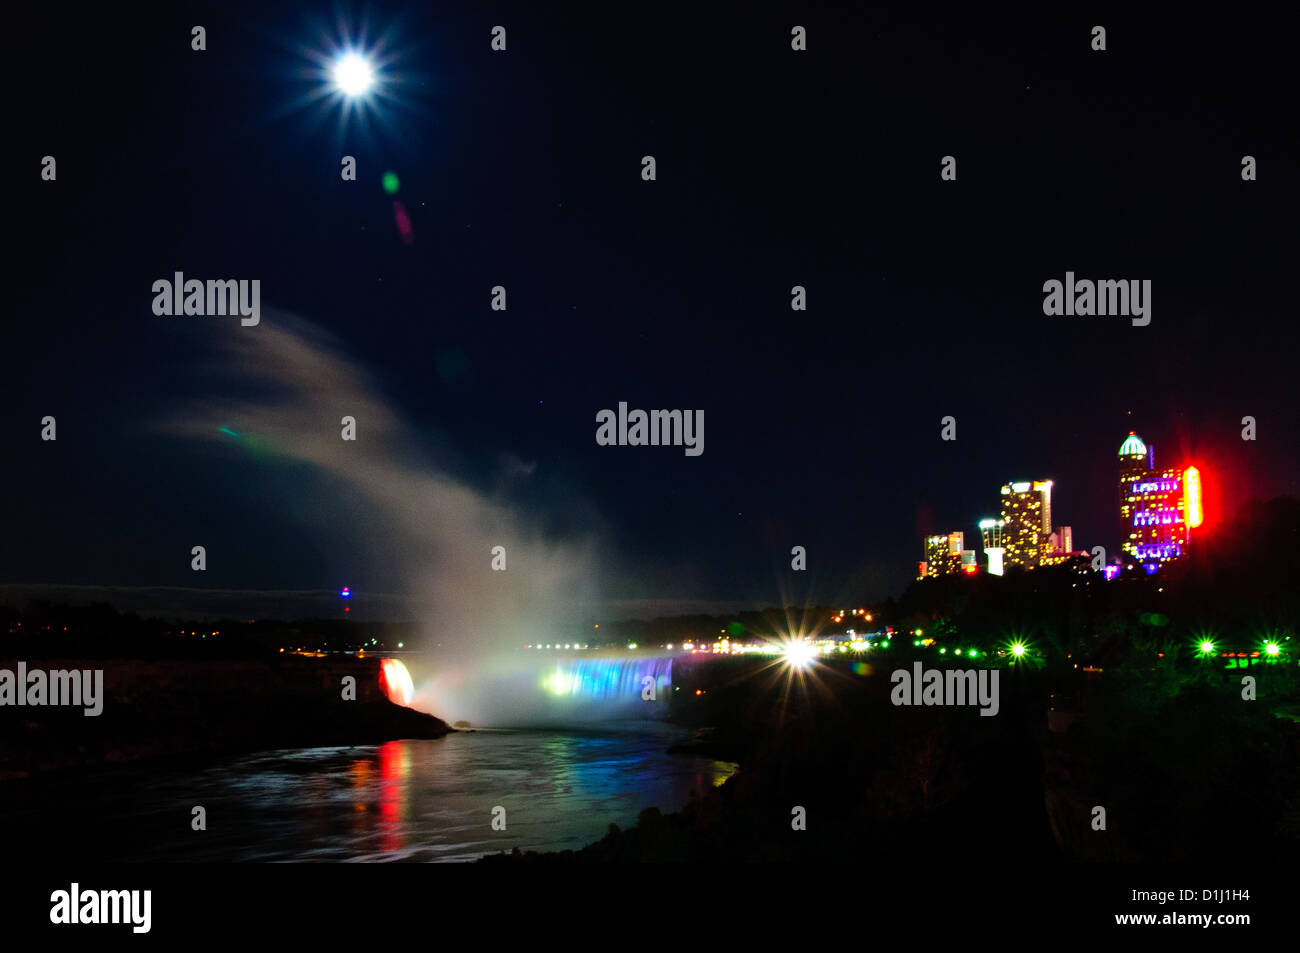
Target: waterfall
(643, 681)
(524, 689)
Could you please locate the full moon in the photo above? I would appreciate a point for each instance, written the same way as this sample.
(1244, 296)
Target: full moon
(353, 74)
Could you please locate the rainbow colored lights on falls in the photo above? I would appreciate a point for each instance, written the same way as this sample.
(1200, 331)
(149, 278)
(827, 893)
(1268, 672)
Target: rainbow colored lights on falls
(396, 682)
(648, 679)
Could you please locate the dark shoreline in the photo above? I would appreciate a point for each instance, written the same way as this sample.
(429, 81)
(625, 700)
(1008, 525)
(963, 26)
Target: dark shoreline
(160, 710)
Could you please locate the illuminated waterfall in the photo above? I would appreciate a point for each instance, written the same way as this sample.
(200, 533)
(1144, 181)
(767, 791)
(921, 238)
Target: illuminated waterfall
(639, 680)
(395, 681)
(521, 689)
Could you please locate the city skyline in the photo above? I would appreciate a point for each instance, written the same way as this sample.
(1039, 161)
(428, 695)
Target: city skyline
(1158, 506)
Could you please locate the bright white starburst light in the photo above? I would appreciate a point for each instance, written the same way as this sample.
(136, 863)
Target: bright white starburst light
(800, 654)
(353, 75)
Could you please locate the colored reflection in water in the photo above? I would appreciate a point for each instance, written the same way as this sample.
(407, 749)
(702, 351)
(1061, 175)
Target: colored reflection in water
(395, 771)
(415, 800)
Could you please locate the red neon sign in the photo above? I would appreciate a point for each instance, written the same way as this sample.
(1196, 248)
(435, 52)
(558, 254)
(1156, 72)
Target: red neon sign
(1192, 491)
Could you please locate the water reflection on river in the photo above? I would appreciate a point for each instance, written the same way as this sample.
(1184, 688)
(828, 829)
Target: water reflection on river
(408, 800)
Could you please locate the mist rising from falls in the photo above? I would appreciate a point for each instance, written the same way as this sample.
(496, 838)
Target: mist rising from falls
(430, 535)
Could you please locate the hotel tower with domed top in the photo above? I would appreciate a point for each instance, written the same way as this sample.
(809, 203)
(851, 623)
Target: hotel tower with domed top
(1159, 508)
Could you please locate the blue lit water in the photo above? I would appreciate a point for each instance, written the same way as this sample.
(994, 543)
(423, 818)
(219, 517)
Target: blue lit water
(573, 689)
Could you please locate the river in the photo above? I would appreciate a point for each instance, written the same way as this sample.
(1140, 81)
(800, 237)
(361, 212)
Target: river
(419, 800)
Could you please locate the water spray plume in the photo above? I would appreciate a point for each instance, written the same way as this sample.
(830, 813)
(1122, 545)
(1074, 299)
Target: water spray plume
(433, 534)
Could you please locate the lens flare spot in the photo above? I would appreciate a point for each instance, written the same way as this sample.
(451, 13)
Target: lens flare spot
(403, 221)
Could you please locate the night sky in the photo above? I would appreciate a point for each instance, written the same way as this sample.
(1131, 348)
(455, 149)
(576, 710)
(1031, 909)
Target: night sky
(523, 168)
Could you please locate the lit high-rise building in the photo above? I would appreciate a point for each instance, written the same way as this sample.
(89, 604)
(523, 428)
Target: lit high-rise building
(943, 554)
(1158, 508)
(1027, 513)
(1060, 547)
